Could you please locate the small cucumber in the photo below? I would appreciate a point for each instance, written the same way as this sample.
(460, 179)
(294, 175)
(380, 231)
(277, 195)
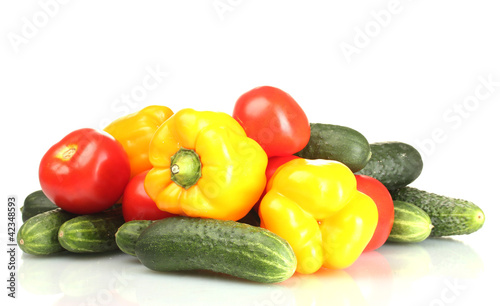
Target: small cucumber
(229, 247)
(450, 216)
(395, 164)
(340, 143)
(92, 233)
(36, 203)
(411, 224)
(127, 235)
(38, 235)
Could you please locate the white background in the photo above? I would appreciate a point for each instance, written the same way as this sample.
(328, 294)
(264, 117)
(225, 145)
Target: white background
(393, 70)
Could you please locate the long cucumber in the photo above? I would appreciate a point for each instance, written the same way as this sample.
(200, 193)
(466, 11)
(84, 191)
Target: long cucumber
(229, 247)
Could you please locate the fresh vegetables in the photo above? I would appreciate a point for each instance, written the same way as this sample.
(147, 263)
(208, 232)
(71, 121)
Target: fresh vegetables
(412, 223)
(385, 207)
(395, 164)
(57, 230)
(38, 235)
(137, 205)
(86, 172)
(275, 162)
(449, 216)
(339, 143)
(204, 165)
(229, 247)
(346, 234)
(303, 192)
(127, 235)
(91, 233)
(274, 119)
(134, 133)
(259, 195)
(36, 203)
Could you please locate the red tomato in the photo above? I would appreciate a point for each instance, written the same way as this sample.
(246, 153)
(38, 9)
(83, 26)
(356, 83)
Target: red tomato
(86, 172)
(382, 198)
(271, 117)
(275, 162)
(136, 203)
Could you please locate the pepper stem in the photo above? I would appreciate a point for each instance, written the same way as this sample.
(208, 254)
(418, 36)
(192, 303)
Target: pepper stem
(185, 168)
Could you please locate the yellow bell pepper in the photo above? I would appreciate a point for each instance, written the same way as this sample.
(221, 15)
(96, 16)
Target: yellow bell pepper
(134, 133)
(314, 205)
(346, 234)
(205, 166)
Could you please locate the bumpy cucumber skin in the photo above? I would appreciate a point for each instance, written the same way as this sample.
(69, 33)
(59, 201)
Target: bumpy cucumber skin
(450, 216)
(38, 235)
(93, 233)
(411, 224)
(340, 143)
(127, 235)
(395, 164)
(36, 203)
(233, 248)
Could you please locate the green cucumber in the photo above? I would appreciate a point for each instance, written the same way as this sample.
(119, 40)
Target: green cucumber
(92, 233)
(38, 235)
(127, 235)
(228, 247)
(450, 216)
(340, 143)
(36, 203)
(411, 224)
(395, 164)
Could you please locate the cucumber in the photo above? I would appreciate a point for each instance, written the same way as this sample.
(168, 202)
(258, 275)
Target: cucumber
(411, 224)
(228, 247)
(127, 235)
(36, 203)
(38, 235)
(340, 143)
(395, 164)
(450, 216)
(92, 233)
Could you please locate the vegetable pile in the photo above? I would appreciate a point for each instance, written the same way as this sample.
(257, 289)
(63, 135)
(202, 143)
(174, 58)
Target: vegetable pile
(260, 194)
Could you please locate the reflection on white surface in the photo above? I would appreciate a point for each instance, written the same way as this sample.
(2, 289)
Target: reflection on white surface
(432, 273)
(436, 271)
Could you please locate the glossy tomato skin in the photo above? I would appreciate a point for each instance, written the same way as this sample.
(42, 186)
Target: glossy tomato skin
(274, 119)
(137, 205)
(84, 173)
(385, 206)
